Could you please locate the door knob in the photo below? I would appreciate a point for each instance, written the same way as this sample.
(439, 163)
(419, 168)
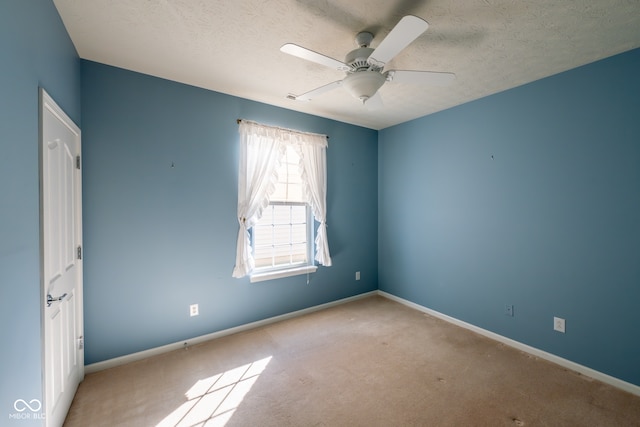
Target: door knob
(51, 299)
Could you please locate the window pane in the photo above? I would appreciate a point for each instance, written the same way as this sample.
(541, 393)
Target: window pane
(262, 236)
(295, 192)
(262, 256)
(282, 254)
(263, 263)
(281, 214)
(281, 234)
(299, 233)
(298, 214)
(280, 194)
(262, 251)
(289, 187)
(267, 215)
(282, 249)
(299, 253)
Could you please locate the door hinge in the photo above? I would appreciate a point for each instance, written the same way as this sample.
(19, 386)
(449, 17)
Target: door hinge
(77, 162)
(79, 252)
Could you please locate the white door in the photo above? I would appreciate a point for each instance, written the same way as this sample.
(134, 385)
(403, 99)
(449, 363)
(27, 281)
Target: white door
(61, 222)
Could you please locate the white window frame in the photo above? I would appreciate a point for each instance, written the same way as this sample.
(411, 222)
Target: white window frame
(260, 274)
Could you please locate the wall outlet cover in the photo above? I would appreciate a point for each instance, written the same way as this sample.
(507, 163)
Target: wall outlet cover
(508, 310)
(193, 310)
(558, 324)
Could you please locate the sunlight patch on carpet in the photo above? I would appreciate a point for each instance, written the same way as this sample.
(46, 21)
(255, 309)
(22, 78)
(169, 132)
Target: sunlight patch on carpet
(212, 401)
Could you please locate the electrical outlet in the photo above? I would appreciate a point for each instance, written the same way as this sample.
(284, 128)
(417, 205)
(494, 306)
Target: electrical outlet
(558, 324)
(508, 310)
(357, 275)
(193, 310)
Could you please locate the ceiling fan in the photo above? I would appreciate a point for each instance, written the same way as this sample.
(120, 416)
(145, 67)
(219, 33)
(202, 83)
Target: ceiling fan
(364, 66)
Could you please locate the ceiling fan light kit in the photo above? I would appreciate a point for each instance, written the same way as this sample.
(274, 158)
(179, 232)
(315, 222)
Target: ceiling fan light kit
(364, 84)
(364, 66)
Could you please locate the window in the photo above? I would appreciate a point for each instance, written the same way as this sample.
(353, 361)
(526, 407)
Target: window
(282, 238)
(281, 191)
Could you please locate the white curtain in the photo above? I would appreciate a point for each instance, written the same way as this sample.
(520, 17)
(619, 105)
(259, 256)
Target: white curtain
(261, 149)
(313, 158)
(260, 153)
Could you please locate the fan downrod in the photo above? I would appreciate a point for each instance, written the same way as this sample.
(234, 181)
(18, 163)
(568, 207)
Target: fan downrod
(363, 39)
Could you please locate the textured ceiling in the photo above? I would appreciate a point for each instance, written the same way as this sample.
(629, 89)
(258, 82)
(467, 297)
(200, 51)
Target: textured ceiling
(232, 46)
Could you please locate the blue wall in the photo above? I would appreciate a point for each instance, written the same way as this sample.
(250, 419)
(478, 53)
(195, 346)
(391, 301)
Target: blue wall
(35, 50)
(530, 197)
(159, 238)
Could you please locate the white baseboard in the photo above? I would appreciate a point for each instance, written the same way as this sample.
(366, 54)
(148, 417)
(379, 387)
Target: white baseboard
(117, 361)
(583, 370)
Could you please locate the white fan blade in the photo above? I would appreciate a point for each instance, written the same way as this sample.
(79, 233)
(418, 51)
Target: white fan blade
(315, 92)
(405, 31)
(309, 55)
(420, 77)
(374, 103)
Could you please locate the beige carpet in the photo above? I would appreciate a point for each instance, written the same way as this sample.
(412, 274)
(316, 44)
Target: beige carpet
(372, 362)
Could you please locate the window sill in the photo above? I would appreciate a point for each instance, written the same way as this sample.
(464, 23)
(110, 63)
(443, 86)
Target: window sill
(278, 274)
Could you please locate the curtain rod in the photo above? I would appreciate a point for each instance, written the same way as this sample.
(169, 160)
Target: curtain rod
(238, 121)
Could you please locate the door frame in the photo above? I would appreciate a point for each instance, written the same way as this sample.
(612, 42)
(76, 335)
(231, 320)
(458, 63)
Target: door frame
(47, 102)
